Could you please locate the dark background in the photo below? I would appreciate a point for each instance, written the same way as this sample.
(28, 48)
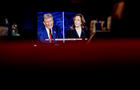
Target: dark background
(24, 13)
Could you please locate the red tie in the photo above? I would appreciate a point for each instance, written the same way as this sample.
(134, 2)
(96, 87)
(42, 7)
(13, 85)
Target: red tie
(50, 34)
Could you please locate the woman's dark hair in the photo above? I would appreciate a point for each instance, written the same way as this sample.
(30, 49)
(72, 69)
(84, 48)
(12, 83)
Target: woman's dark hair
(82, 20)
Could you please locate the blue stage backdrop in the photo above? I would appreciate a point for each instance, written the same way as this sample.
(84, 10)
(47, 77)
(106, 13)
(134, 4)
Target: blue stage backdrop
(68, 19)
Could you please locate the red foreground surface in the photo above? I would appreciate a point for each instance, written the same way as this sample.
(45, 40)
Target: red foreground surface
(117, 52)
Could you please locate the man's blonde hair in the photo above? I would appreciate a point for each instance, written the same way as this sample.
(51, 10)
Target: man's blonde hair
(46, 16)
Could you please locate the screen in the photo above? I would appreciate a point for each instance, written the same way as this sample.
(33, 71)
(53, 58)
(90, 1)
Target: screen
(66, 26)
(62, 22)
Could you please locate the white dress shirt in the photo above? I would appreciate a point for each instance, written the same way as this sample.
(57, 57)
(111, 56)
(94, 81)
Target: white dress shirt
(79, 31)
(48, 32)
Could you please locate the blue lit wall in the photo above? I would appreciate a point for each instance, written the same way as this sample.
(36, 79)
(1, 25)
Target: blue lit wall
(68, 19)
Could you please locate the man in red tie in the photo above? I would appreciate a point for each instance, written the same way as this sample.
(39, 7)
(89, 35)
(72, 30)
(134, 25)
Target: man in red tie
(48, 22)
(49, 31)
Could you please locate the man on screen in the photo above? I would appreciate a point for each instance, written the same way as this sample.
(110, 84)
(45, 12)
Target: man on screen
(49, 32)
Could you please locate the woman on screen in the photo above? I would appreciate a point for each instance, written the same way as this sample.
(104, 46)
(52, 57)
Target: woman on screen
(78, 29)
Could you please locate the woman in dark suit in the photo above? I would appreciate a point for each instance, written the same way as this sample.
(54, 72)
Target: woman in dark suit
(78, 29)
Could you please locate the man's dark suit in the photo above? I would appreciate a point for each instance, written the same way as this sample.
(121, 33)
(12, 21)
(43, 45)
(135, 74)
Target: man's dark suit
(42, 34)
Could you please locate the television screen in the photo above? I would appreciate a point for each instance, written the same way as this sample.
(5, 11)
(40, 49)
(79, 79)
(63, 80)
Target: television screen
(62, 26)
